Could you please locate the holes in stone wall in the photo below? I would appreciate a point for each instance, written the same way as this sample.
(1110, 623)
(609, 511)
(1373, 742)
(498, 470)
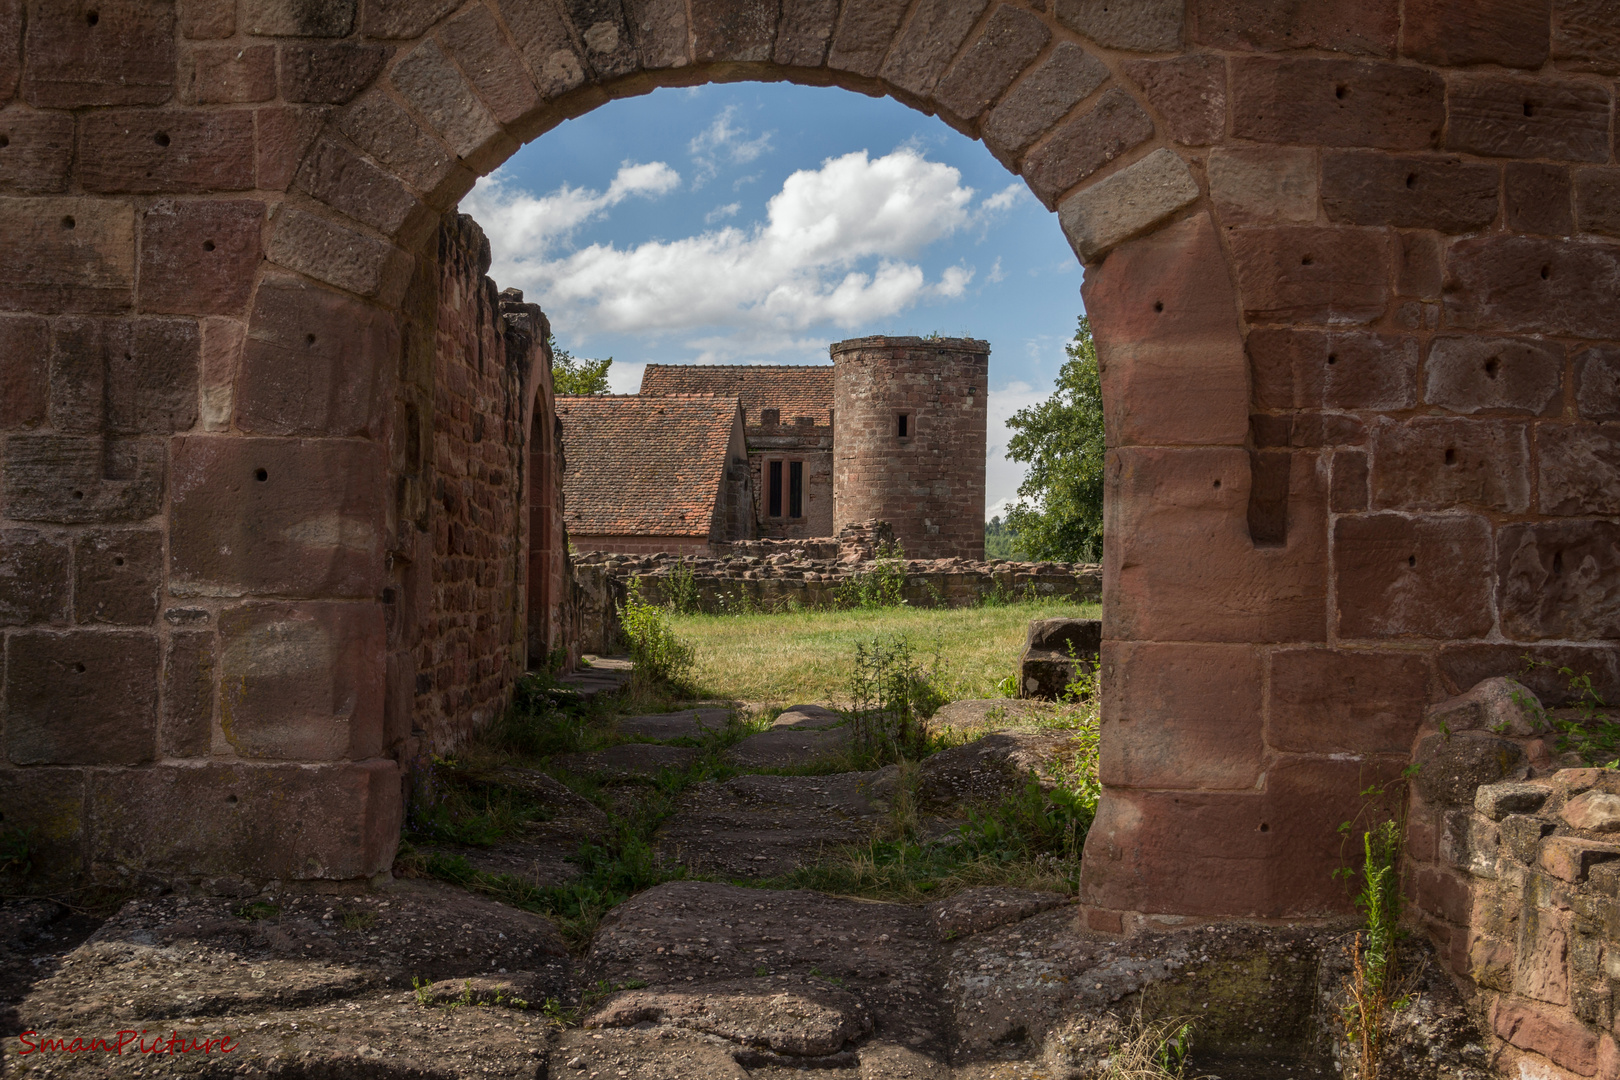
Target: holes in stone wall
(208, 245)
(5, 141)
(1306, 260)
(1158, 305)
(1411, 560)
(161, 138)
(902, 425)
(1341, 91)
(1529, 108)
(1491, 366)
(69, 222)
(1451, 455)
(78, 494)
(1411, 180)
(261, 475)
(78, 669)
(118, 560)
(1546, 272)
(309, 339)
(1264, 827)
(1333, 358)
(230, 798)
(1558, 564)
(92, 17)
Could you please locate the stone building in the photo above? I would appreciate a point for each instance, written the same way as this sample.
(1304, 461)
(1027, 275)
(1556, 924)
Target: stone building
(894, 429)
(650, 474)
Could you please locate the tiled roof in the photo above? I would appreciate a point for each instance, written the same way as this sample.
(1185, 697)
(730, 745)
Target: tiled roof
(797, 391)
(644, 466)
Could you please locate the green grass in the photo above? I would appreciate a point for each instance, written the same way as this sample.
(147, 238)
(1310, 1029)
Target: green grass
(806, 655)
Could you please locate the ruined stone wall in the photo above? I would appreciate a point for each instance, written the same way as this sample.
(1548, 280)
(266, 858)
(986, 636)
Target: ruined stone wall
(471, 625)
(929, 483)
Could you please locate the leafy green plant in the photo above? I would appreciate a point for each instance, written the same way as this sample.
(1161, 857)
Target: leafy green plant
(662, 659)
(576, 375)
(1592, 732)
(254, 910)
(892, 695)
(1156, 1050)
(882, 585)
(449, 808)
(681, 593)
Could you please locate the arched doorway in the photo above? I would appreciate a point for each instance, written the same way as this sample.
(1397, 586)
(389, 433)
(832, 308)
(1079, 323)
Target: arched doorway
(1296, 564)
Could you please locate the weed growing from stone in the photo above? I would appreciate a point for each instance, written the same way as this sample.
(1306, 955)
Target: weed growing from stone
(448, 807)
(681, 594)
(883, 585)
(1591, 732)
(663, 660)
(255, 910)
(892, 694)
(1157, 1050)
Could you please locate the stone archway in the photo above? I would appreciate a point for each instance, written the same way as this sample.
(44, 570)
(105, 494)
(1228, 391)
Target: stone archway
(1304, 232)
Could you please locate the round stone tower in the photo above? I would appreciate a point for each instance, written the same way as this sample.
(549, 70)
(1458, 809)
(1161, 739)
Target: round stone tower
(909, 440)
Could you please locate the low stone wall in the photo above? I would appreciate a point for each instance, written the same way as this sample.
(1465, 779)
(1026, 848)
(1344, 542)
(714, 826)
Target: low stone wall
(795, 578)
(1515, 873)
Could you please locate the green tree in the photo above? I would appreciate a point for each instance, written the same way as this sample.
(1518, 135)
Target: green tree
(1001, 542)
(576, 376)
(1059, 513)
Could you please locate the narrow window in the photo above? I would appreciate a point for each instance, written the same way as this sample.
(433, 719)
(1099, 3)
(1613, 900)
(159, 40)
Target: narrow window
(796, 490)
(774, 490)
(903, 425)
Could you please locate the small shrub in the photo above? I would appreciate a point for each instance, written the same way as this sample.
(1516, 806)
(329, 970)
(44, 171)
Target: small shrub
(884, 585)
(662, 659)
(1592, 732)
(1157, 1050)
(893, 694)
(681, 594)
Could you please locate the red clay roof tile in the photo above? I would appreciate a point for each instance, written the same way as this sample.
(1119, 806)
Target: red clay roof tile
(796, 391)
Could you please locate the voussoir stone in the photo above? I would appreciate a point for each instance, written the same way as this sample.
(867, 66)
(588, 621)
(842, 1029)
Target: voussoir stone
(1129, 202)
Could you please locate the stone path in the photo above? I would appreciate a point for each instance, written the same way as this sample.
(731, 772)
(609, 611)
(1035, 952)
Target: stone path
(803, 736)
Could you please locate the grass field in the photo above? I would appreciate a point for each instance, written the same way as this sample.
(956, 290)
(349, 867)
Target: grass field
(807, 656)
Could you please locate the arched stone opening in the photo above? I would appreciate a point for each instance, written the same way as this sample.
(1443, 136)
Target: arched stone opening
(1321, 515)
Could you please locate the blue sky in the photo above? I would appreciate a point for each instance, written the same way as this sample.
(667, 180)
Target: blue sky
(758, 222)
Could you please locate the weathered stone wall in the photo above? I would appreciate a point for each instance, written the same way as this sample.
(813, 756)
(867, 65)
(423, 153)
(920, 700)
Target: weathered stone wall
(928, 484)
(798, 578)
(1349, 264)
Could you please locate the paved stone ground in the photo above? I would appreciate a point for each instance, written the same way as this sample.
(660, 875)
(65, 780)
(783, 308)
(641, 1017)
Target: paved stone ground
(690, 980)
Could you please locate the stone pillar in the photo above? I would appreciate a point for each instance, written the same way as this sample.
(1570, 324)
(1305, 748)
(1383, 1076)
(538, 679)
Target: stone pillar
(909, 429)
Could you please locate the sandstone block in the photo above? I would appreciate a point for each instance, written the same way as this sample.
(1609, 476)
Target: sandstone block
(1513, 116)
(1586, 35)
(1064, 79)
(1597, 191)
(1498, 704)
(931, 37)
(1324, 701)
(206, 20)
(124, 376)
(1182, 716)
(1569, 858)
(1579, 468)
(1336, 103)
(1150, 26)
(493, 65)
(260, 822)
(278, 516)
(81, 698)
(1556, 579)
(1479, 374)
(1497, 801)
(1454, 765)
(24, 371)
(804, 32)
(660, 32)
(1348, 492)
(1593, 811)
(173, 151)
(189, 664)
(284, 134)
(863, 36)
(316, 362)
(354, 186)
(74, 480)
(1419, 272)
(228, 74)
(1597, 383)
(429, 81)
(1306, 274)
(33, 578)
(1426, 192)
(328, 74)
(1189, 92)
(66, 254)
(609, 48)
(1444, 894)
(1165, 320)
(1306, 369)
(1009, 43)
(296, 18)
(1115, 124)
(1336, 25)
(1263, 186)
(1127, 203)
(1536, 198)
(199, 257)
(1432, 463)
(1404, 575)
(1456, 33)
(118, 53)
(399, 19)
(116, 577)
(1529, 284)
(302, 681)
(333, 253)
(544, 40)
(36, 152)
(1490, 962)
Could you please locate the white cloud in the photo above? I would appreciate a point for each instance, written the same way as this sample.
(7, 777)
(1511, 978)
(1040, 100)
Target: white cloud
(996, 275)
(721, 212)
(724, 139)
(1002, 476)
(517, 221)
(625, 377)
(1005, 198)
(835, 248)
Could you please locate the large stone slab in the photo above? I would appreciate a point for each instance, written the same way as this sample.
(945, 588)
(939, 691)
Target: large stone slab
(629, 760)
(687, 724)
(761, 826)
(803, 735)
(986, 770)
